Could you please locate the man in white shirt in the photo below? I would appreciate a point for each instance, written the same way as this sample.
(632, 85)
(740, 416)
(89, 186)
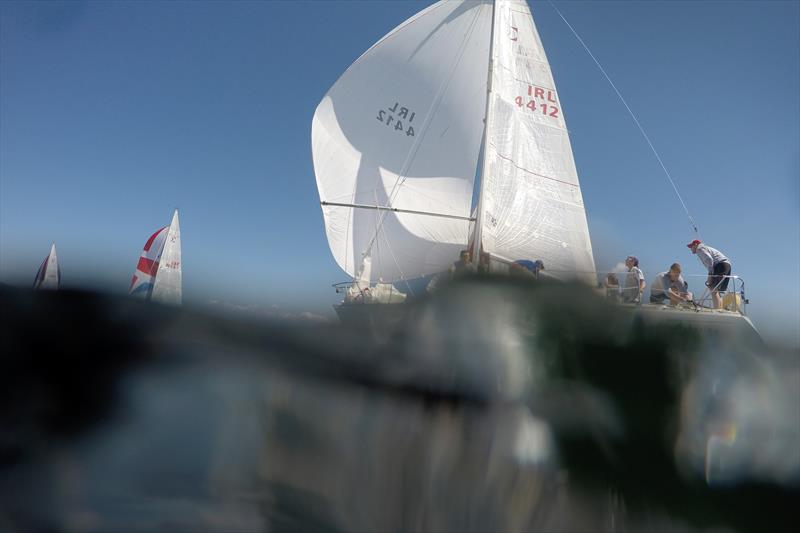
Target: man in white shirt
(719, 269)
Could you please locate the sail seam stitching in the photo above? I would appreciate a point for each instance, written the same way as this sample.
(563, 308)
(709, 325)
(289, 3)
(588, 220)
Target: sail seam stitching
(501, 156)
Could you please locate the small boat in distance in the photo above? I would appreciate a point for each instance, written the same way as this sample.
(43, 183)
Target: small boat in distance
(158, 273)
(49, 275)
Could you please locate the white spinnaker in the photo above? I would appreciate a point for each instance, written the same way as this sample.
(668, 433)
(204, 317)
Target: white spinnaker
(532, 207)
(167, 285)
(402, 128)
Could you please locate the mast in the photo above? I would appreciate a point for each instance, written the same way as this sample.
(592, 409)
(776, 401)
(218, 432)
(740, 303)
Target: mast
(476, 234)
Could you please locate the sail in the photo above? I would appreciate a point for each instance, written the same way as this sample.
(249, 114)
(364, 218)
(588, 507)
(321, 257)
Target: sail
(146, 268)
(395, 144)
(49, 274)
(167, 285)
(531, 204)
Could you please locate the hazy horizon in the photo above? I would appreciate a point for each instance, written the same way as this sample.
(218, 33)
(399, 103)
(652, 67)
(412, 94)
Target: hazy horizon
(113, 114)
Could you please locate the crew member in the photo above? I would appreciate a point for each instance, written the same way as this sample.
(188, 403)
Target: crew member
(670, 285)
(719, 269)
(634, 281)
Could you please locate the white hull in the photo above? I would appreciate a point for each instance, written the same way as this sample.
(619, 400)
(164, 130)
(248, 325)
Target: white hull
(730, 324)
(714, 324)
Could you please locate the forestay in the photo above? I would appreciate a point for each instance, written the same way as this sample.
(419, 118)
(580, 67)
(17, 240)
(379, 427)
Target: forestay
(531, 202)
(395, 144)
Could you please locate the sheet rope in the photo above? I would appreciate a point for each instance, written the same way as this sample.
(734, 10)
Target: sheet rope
(633, 116)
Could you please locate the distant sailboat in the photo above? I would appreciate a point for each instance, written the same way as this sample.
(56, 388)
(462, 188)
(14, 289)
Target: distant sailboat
(49, 274)
(158, 273)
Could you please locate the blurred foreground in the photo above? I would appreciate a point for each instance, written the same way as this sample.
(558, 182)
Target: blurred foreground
(493, 407)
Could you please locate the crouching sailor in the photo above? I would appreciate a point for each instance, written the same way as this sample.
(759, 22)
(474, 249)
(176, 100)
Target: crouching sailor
(525, 268)
(719, 269)
(670, 286)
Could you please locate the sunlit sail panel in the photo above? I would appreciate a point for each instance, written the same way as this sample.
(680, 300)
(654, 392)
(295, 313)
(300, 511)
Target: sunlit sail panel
(401, 129)
(532, 204)
(167, 285)
(48, 276)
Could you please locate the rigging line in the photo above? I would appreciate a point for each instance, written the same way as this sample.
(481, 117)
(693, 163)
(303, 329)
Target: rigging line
(632, 114)
(396, 210)
(377, 243)
(397, 264)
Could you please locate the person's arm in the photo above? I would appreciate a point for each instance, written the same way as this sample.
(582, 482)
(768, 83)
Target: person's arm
(640, 285)
(676, 294)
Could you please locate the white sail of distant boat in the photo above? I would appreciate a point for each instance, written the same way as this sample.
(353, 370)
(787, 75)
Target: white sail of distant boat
(396, 144)
(158, 273)
(167, 285)
(49, 274)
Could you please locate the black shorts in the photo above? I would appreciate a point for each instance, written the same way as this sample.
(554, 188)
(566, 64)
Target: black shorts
(717, 281)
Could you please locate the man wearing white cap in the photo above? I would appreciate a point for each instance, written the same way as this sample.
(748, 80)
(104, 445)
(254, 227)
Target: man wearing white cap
(719, 269)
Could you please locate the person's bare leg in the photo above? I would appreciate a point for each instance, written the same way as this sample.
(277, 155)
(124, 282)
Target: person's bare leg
(716, 299)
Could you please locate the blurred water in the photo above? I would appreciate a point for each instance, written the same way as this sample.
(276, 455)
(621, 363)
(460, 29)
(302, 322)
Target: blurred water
(494, 406)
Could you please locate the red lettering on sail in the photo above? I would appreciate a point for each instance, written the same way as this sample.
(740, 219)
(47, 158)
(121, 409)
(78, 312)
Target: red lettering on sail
(538, 93)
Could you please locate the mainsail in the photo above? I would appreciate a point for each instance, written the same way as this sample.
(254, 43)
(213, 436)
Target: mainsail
(49, 274)
(396, 143)
(158, 272)
(531, 204)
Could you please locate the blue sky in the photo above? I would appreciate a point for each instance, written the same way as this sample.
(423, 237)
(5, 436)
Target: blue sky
(114, 113)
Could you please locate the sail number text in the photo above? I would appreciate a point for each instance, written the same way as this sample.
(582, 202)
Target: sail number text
(538, 93)
(388, 118)
(172, 264)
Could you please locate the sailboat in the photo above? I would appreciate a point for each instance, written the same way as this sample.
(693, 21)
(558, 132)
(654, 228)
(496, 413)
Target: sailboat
(455, 106)
(49, 274)
(158, 273)
(397, 142)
